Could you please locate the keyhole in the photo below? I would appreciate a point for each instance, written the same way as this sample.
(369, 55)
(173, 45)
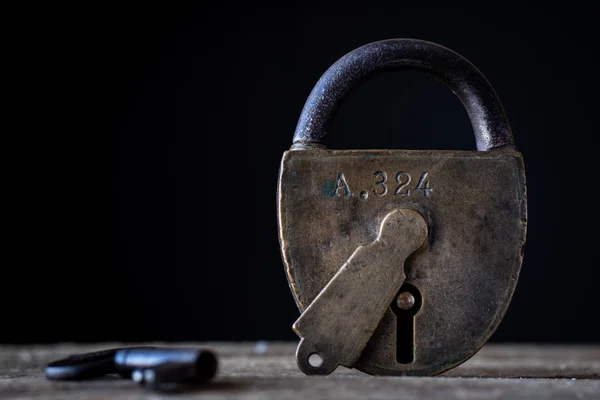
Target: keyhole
(405, 306)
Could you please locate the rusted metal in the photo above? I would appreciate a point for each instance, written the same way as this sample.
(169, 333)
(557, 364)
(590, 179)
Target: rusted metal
(333, 202)
(485, 110)
(405, 301)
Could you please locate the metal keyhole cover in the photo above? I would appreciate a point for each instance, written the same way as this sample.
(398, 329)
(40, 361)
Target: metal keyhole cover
(330, 202)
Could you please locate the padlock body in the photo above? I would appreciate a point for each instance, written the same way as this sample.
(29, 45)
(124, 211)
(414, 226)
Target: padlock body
(332, 201)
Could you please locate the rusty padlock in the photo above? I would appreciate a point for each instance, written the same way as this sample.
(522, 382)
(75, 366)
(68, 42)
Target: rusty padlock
(402, 262)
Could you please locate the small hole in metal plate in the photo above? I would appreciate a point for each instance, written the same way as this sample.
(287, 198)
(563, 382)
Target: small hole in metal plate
(315, 360)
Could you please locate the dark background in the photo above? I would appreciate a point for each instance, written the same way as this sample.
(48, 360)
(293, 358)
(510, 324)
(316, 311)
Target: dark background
(202, 102)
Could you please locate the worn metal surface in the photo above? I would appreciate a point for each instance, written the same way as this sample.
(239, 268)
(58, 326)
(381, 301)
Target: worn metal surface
(474, 203)
(339, 322)
(268, 371)
(331, 202)
(485, 110)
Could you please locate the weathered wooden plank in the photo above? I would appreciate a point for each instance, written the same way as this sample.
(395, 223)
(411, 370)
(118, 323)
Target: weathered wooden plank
(269, 371)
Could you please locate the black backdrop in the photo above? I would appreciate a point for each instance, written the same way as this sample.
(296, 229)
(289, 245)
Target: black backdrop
(201, 103)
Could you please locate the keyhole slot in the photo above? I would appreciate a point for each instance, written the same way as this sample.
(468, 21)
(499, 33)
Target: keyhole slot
(405, 306)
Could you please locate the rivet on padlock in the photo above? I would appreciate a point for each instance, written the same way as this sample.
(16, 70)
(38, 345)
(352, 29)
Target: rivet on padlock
(402, 262)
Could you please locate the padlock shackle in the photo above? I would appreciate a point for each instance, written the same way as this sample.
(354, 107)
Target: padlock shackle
(490, 124)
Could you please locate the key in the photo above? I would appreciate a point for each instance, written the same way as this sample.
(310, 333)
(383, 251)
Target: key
(178, 363)
(87, 365)
(336, 326)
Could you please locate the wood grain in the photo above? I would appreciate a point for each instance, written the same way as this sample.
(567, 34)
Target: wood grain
(268, 371)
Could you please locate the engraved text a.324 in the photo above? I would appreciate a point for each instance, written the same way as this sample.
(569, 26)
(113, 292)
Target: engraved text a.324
(401, 185)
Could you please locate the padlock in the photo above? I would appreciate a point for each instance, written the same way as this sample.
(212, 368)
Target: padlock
(401, 262)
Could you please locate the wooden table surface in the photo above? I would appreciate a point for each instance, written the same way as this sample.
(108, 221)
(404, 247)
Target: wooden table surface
(268, 371)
